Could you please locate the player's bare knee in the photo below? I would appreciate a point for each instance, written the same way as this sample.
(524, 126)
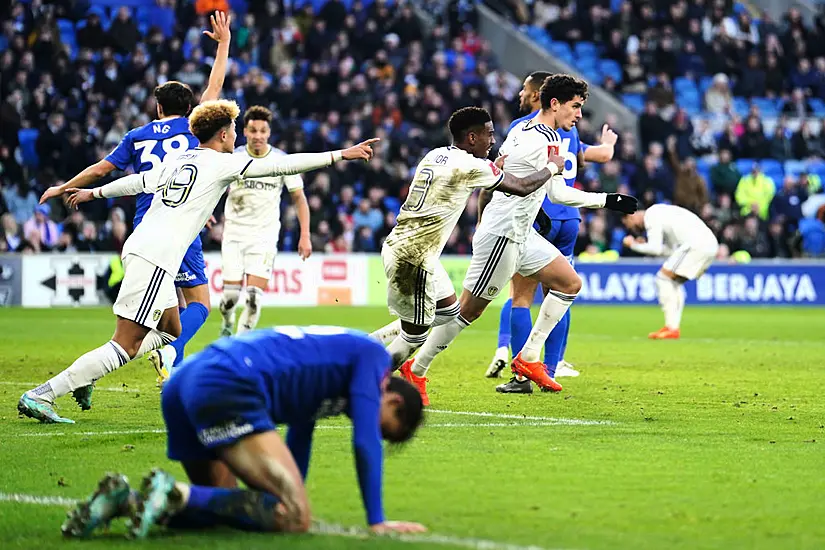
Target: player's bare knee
(569, 285)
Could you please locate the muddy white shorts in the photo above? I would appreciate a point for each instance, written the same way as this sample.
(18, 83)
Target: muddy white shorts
(414, 290)
(247, 257)
(690, 263)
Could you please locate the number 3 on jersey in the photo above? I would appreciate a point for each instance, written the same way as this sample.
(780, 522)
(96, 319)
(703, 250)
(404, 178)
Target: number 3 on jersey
(151, 156)
(418, 191)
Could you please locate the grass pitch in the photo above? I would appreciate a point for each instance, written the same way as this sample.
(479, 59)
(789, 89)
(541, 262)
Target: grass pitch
(714, 441)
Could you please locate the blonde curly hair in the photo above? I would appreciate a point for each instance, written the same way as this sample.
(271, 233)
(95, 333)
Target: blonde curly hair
(208, 118)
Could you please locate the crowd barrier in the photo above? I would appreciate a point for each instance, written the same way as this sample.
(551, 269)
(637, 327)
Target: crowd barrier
(54, 280)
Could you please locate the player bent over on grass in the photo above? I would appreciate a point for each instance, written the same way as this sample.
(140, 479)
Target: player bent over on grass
(252, 224)
(505, 242)
(692, 247)
(186, 190)
(419, 290)
(221, 410)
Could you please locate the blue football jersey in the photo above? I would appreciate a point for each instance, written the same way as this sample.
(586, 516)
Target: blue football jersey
(570, 146)
(144, 149)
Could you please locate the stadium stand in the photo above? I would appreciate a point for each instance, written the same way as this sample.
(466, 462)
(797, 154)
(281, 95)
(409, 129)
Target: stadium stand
(75, 75)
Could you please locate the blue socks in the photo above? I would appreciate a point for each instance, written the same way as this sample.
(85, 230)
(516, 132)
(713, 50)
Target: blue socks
(504, 325)
(522, 323)
(554, 345)
(191, 320)
(238, 508)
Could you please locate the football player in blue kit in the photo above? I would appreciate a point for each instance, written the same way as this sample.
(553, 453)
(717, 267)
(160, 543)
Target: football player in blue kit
(221, 408)
(143, 149)
(558, 224)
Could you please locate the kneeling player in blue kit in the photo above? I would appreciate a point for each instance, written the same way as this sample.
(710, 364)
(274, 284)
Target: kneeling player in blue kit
(221, 408)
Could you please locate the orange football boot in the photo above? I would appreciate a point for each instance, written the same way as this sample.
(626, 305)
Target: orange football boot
(665, 333)
(536, 372)
(420, 382)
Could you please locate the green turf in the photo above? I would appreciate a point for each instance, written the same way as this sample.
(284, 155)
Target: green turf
(714, 441)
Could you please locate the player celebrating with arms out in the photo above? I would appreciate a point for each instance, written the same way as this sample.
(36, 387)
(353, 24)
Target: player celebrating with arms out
(252, 225)
(557, 223)
(505, 243)
(186, 190)
(221, 409)
(692, 247)
(144, 149)
(419, 290)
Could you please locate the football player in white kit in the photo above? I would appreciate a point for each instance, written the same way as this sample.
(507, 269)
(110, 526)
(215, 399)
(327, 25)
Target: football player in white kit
(505, 242)
(691, 246)
(252, 224)
(187, 188)
(419, 290)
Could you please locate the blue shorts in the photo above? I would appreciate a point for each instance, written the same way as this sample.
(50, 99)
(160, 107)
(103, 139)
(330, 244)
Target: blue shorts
(192, 270)
(210, 402)
(563, 234)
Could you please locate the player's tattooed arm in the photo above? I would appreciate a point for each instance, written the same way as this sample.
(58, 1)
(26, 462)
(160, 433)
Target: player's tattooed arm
(222, 35)
(521, 187)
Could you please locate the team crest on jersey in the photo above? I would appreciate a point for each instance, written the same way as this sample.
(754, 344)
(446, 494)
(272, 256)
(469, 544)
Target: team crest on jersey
(156, 315)
(492, 291)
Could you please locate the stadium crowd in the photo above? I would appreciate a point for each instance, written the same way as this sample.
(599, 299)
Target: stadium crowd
(78, 77)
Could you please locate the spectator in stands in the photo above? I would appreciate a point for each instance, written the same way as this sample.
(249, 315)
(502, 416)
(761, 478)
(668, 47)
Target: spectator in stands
(724, 175)
(752, 80)
(752, 240)
(41, 225)
(798, 105)
(652, 127)
(124, 34)
(703, 140)
(690, 190)
(12, 237)
(753, 143)
(774, 77)
(204, 7)
(805, 144)
(654, 179)
(20, 201)
(781, 148)
(779, 245)
(634, 78)
(754, 193)
(787, 204)
(811, 182)
(718, 98)
(51, 139)
(366, 215)
(92, 35)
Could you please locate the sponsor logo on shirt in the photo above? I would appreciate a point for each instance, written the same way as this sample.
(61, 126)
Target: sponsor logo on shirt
(223, 433)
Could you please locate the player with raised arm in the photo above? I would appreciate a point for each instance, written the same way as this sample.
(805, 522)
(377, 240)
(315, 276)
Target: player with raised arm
(221, 410)
(144, 149)
(691, 246)
(557, 223)
(186, 190)
(252, 224)
(419, 290)
(505, 242)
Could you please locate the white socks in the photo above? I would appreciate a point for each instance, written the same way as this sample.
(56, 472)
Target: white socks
(88, 368)
(154, 340)
(672, 300)
(229, 300)
(388, 333)
(439, 339)
(403, 346)
(252, 313)
(553, 308)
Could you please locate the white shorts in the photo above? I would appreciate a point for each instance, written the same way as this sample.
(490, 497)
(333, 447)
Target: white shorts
(247, 257)
(413, 291)
(690, 263)
(145, 292)
(496, 259)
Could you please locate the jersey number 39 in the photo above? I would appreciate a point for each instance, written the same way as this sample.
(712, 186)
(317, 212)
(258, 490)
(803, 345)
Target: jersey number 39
(177, 187)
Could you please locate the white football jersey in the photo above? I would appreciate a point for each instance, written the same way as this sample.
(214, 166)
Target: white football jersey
(187, 189)
(669, 227)
(527, 146)
(443, 182)
(253, 207)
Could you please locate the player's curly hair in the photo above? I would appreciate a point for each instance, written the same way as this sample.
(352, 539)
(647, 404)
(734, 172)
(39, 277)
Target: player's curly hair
(257, 112)
(562, 87)
(175, 98)
(410, 414)
(210, 117)
(466, 119)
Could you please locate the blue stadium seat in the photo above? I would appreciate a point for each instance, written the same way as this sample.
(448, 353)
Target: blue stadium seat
(813, 236)
(611, 68)
(741, 106)
(392, 204)
(536, 33)
(744, 165)
(705, 83)
(592, 75)
(681, 84)
(771, 165)
(795, 167)
(28, 146)
(634, 102)
(561, 49)
(767, 107)
(818, 106)
(309, 126)
(586, 50)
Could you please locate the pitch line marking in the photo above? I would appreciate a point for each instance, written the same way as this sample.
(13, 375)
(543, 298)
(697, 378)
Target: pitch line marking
(318, 528)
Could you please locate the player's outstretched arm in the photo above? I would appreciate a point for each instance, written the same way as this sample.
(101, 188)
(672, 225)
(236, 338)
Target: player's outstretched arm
(560, 193)
(521, 187)
(221, 34)
(85, 178)
(127, 185)
(302, 211)
(299, 163)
